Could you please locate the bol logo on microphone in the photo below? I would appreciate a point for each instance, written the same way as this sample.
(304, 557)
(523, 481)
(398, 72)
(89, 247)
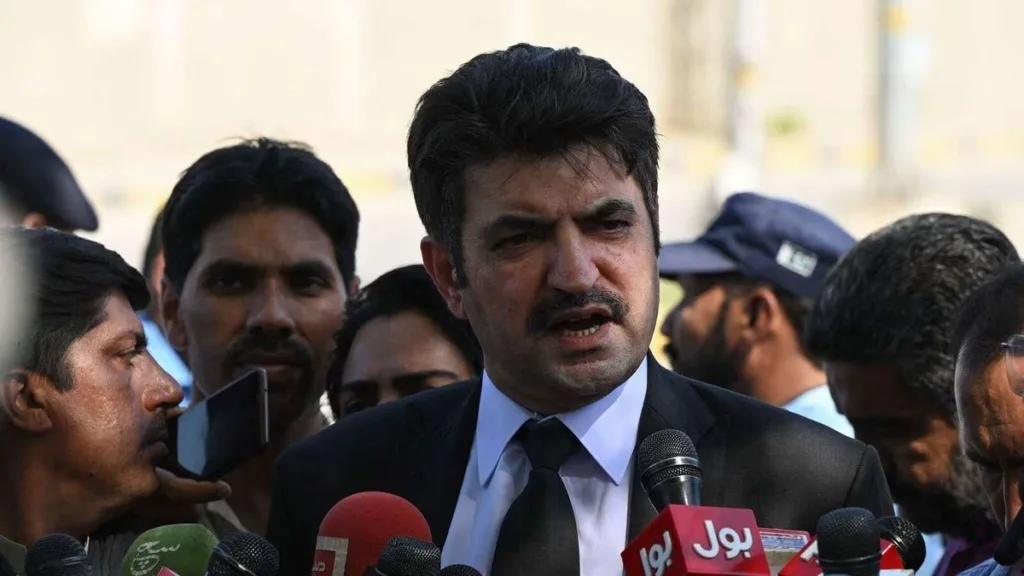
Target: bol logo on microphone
(727, 539)
(657, 558)
(698, 540)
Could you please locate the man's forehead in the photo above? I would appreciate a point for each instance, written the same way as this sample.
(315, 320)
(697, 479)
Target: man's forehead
(267, 238)
(517, 179)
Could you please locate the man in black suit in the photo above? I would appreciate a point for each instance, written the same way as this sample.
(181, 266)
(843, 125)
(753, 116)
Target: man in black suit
(535, 174)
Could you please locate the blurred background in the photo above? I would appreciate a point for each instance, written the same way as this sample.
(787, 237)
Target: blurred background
(865, 109)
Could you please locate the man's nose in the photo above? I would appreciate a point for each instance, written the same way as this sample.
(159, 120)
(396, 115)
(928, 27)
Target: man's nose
(670, 320)
(572, 268)
(163, 391)
(270, 311)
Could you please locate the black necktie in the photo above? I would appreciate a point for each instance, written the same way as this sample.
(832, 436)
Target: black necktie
(538, 535)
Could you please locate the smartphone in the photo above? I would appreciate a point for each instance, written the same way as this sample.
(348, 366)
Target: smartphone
(215, 436)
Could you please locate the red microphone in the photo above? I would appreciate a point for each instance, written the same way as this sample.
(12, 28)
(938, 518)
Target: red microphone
(687, 538)
(355, 530)
(698, 540)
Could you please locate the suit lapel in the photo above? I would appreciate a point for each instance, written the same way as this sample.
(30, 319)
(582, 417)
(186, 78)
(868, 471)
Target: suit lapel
(449, 439)
(673, 403)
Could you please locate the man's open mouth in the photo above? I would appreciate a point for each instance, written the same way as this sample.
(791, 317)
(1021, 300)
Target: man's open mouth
(580, 323)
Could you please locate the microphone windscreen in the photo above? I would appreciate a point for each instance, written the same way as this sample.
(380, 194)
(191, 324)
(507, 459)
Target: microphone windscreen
(57, 554)
(405, 556)
(907, 538)
(662, 445)
(459, 570)
(847, 535)
(184, 549)
(249, 551)
(356, 529)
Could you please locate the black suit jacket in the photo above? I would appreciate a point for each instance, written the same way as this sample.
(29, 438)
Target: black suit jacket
(786, 468)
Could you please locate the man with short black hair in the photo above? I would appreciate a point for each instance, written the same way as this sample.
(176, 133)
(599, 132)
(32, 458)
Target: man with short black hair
(83, 406)
(399, 338)
(882, 326)
(535, 174)
(259, 243)
(749, 282)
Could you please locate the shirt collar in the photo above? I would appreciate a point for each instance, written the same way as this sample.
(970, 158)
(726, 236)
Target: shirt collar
(606, 428)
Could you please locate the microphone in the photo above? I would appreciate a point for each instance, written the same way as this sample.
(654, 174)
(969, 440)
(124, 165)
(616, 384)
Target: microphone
(669, 469)
(57, 555)
(459, 570)
(901, 548)
(686, 538)
(902, 544)
(405, 556)
(355, 530)
(848, 543)
(243, 554)
(175, 550)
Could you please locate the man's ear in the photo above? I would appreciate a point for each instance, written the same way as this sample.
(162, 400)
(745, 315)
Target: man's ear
(26, 398)
(170, 309)
(354, 286)
(441, 268)
(761, 312)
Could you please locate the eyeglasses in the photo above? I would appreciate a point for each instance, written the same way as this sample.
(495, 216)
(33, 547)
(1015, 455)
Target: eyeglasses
(1014, 350)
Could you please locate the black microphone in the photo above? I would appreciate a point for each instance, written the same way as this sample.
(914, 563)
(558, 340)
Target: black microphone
(669, 469)
(405, 556)
(243, 554)
(57, 555)
(907, 539)
(848, 543)
(459, 570)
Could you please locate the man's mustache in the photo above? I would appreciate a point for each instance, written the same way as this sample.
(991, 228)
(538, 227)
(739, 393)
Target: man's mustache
(269, 344)
(559, 302)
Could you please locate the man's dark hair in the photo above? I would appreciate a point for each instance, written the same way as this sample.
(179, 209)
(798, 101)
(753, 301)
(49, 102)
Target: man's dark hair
(154, 246)
(248, 176)
(70, 279)
(406, 289)
(525, 101)
(894, 297)
(990, 316)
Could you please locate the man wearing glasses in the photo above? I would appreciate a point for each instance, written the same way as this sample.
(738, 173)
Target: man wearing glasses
(989, 341)
(990, 382)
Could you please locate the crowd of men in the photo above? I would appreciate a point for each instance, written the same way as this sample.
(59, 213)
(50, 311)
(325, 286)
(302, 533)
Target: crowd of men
(811, 370)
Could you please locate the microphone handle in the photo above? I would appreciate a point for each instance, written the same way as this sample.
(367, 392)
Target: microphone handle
(680, 490)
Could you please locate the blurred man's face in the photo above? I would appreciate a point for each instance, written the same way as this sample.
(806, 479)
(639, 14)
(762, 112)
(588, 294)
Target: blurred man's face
(396, 356)
(703, 342)
(938, 489)
(109, 429)
(266, 293)
(562, 284)
(992, 433)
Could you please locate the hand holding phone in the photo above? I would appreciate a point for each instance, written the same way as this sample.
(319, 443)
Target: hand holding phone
(218, 434)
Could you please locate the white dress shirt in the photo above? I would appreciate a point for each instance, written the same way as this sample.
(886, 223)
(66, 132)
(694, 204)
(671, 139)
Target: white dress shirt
(598, 478)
